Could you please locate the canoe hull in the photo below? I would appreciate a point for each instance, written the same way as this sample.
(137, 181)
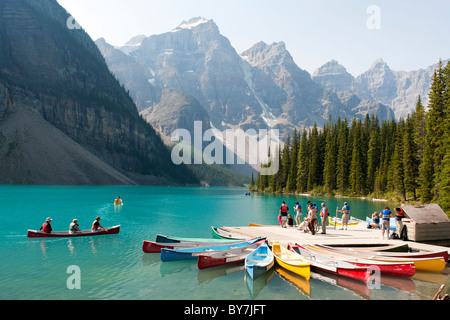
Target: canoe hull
(424, 264)
(391, 268)
(165, 239)
(259, 261)
(66, 234)
(156, 247)
(193, 253)
(333, 266)
(351, 222)
(219, 233)
(225, 257)
(297, 265)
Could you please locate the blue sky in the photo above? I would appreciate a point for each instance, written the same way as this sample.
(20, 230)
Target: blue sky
(411, 35)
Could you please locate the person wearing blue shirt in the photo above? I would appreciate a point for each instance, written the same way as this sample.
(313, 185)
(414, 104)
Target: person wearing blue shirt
(385, 222)
(345, 215)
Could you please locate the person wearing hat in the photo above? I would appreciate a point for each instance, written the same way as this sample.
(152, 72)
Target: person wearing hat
(96, 226)
(46, 227)
(73, 228)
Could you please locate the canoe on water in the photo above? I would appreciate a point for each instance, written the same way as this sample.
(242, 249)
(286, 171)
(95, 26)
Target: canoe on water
(165, 239)
(225, 257)
(416, 255)
(220, 233)
(67, 234)
(291, 261)
(259, 261)
(400, 269)
(425, 264)
(193, 253)
(338, 222)
(332, 265)
(155, 247)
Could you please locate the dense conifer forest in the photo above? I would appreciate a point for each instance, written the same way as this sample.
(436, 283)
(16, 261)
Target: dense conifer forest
(404, 160)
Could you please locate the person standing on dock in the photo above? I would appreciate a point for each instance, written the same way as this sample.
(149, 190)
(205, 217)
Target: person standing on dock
(385, 222)
(399, 215)
(298, 216)
(324, 217)
(283, 213)
(345, 215)
(312, 220)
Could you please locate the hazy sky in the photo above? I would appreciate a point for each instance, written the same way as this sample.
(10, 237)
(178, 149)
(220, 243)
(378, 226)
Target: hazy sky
(407, 34)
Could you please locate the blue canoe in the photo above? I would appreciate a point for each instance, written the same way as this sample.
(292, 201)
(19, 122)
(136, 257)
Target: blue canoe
(193, 253)
(392, 223)
(259, 261)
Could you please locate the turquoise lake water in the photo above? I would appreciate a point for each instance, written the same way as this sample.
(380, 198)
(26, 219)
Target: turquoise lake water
(115, 267)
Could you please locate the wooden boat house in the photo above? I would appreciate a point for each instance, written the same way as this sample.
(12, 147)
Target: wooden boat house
(429, 224)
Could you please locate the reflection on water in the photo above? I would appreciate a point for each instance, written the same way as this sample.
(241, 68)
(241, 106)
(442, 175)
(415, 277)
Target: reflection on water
(114, 266)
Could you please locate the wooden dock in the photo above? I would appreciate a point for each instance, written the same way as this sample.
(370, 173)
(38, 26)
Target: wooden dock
(355, 235)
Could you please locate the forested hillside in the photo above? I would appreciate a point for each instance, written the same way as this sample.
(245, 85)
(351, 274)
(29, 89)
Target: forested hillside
(404, 160)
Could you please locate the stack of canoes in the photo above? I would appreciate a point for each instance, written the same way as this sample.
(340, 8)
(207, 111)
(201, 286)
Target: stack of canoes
(213, 252)
(425, 261)
(331, 265)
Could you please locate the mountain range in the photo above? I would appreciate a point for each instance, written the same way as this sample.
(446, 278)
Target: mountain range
(397, 89)
(262, 87)
(64, 118)
(77, 112)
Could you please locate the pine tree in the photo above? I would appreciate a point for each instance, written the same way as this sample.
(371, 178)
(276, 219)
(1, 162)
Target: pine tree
(314, 155)
(433, 148)
(397, 162)
(342, 159)
(329, 172)
(285, 164)
(291, 184)
(303, 168)
(373, 159)
(356, 178)
(410, 159)
(444, 181)
(420, 127)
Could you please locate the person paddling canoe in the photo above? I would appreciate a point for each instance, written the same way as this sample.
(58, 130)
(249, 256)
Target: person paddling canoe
(46, 227)
(96, 225)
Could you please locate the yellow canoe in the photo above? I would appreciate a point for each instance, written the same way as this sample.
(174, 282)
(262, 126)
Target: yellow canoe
(291, 261)
(424, 264)
(351, 222)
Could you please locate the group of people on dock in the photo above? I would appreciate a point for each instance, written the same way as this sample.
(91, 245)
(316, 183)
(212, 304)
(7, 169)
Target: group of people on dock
(385, 215)
(310, 221)
(73, 227)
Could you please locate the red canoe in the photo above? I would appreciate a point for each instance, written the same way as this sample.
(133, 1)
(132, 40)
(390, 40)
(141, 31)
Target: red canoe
(410, 255)
(400, 269)
(226, 257)
(331, 265)
(66, 234)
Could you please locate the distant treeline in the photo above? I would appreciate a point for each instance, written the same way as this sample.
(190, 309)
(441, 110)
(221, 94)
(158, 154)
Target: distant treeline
(404, 160)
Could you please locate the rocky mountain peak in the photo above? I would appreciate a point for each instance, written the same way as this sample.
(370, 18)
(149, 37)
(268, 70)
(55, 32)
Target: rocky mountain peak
(379, 64)
(263, 52)
(333, 76)
(198, 23)
(330, 68)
